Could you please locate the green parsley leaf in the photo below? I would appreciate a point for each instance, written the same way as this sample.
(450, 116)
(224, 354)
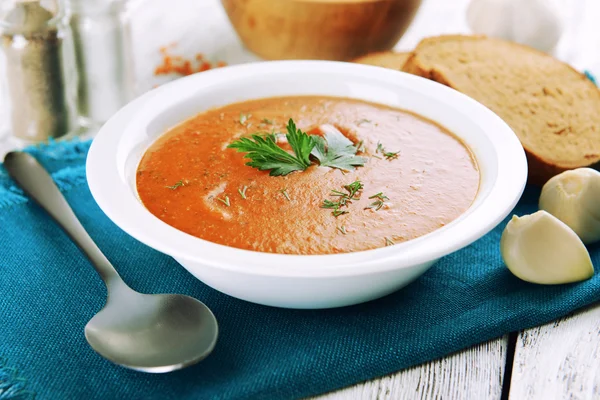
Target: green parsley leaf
(265, 154)
(336, 151)
(301, 143)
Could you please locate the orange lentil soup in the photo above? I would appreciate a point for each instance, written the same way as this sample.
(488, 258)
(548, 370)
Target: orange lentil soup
(416, 178)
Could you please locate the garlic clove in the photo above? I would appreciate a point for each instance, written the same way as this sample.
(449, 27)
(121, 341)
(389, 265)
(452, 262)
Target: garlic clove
(539, 248)
(539, 25)
(491, 18)
(536, 23)
(574, 198)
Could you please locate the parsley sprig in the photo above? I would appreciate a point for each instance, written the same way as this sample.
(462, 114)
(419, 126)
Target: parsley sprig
(333, 150)
(265, 154)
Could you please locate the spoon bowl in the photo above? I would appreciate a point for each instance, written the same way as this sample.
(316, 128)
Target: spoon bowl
(152, 333)
(149, 333)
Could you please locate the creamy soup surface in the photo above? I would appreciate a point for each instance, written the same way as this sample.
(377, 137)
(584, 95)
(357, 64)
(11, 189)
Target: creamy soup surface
(191, 180)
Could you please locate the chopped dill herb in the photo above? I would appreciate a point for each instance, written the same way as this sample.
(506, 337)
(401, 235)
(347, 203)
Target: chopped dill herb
(285, 194)
(389, 242)
(377, 204)
(360, 146)
(267, 121)
(342, 229)
(353, 188)
(380, 196)
(343, 198)
(337, 213)
(226, 201)
(242, 192)
(389, 155)
(337, 193)
(176, 185)
(330, 204)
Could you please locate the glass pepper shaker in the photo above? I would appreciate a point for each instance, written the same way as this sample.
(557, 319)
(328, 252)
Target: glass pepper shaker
(104, 59)
(37, 72)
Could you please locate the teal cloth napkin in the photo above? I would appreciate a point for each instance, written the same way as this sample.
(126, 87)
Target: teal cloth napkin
(48, 292)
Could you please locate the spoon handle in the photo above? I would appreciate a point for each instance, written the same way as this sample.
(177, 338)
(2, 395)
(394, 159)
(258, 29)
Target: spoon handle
(37, 183)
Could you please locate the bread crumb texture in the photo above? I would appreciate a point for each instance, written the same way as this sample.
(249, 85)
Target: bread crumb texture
(553, 109)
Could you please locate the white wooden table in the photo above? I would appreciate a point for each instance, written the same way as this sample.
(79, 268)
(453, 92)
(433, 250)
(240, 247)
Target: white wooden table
(554, 361)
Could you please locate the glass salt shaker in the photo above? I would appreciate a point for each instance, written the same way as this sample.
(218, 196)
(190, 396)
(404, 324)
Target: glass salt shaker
(37, 70)
(104, 58)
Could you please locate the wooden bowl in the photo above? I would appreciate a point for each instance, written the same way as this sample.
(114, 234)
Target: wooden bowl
(320, 29)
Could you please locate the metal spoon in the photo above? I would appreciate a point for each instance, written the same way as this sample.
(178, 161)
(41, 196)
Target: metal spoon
(149, 333)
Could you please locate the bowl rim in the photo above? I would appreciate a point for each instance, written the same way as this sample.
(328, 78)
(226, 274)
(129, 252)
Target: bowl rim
(113, 195)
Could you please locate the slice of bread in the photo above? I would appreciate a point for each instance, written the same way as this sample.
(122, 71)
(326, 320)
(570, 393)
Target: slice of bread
(553, 109)
(386, 59)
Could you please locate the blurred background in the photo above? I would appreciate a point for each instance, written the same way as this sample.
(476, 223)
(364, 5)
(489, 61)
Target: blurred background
(121, 49)
(202, 26)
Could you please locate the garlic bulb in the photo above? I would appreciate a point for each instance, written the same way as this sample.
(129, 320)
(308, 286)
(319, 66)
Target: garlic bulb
(536, 23)
(539, 248)
(574, 198)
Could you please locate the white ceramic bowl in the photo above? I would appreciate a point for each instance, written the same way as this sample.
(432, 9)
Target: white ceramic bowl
(300, 281)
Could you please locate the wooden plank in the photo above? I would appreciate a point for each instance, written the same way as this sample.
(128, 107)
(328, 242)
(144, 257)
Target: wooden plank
(559, 360)
(472, 374)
